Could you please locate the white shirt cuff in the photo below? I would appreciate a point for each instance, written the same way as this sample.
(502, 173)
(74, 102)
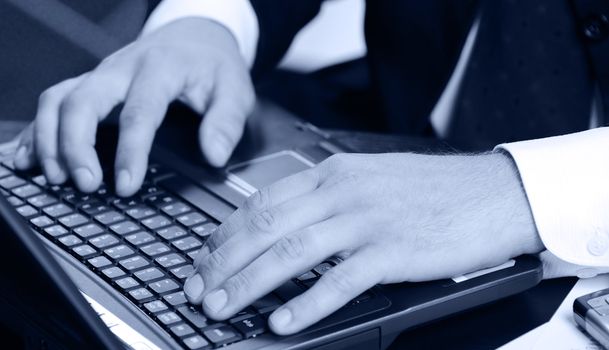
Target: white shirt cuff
(238, 16)
(566, 179)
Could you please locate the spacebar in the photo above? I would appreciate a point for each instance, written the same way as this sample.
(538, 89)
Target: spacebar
(198, 197)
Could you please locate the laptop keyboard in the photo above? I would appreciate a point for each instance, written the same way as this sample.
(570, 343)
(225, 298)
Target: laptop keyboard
(144, 247)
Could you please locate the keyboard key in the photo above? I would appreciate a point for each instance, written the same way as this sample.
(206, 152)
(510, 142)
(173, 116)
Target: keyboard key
(99, 261)
(170, 260)
(94, 208)
(140, 294)
(168, 318)
(164, 286)
(148, 191)
(11, 182)
(55, 230)
(88, 230)
(14, 201)
(194, 316)
(104, 241)
(118, 252)
(204, 230)
(27, 211)
(181, 330)
(78, 198)
(155, 249)
(309, 275)
(175, 299)
(113, 272)
(187, 243)
(322, 268)
(191, 219)
(84, 251)
(109, 218)
(40, 180)
(176, 208)
(4, 172)
(267, 303)
(251, 327)
(26, 191)
(42, 200)
(222, 335)
(139, 238)
(156, 222)
(195, 342)
(288, 290)
(171, 232)
(124, 203)
(42, 221)
(160, 200)
(140, 211)
(182, 272)
(57, 210)
(192, 255)
(134, 263)
(156, 306)
(149, 274)
(243, 314)
(127, 283)
(124, 227)
(73, 220)
(69, 240)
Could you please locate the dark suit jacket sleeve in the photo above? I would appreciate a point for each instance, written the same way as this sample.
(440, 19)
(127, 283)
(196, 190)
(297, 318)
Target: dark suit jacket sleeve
(279, 22)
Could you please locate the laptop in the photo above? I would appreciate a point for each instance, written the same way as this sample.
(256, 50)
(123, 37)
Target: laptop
(97, 271)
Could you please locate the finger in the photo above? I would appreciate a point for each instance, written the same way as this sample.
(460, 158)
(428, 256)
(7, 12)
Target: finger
(261, 232)
(222, 128)
(25, 157)
(80, 112)
(46, 127)
(152, 90)
(287, 258)
(336, 287)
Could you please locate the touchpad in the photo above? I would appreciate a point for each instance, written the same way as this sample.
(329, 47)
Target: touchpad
(260, 172)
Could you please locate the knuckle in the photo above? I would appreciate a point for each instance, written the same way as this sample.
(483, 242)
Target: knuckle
(259, 200)
(133, 114)
(216, 260)
(289, 248)
(48, 95)
(238, 283)
(70, 103)
(339, 281)
(262, 222)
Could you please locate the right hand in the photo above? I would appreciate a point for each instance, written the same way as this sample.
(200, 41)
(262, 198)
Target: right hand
(194, 60)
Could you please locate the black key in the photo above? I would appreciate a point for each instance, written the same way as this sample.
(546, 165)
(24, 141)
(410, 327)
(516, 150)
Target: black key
(195, 342)
(14, 201)
(243, 314)
(309, 275)
(361, 298)
(192, 255)
(181, 330)
(156, 171)
(140, 294)
(40, 180)
(9, 164)
(124, 203)
(164, 286)
(191, 219)
(222, 335)
(25, 191)
(322, 268)
(182, 272)
(4, 192)
(11, 182)
(139, 238)
(84, 251)
(77, 198)
(69, 240)
(155, 249)
(267, 303)
(171, 232)
(42, 200)
(134, 263)
(99, 261)
(194, 316)
(169, 318)
(156, 306)
(88, 230)
(251, 327)
(288, 290)
(170, 260)
(4, 172)
(148, 191)
(149, 274)
(110, 217)
(175, 298)
(42, 221)
(204, 230)
(57, 210)
(198, 197)
(73, 220)
(125, 227)
(113, 272)
(127, 283)
(118, 252)
(156, 222)
(104, 241)
(140, 211)
(160, 200)
(94, 208)
(55, 230)
(176, 208)
(187, 243)
(27, 211)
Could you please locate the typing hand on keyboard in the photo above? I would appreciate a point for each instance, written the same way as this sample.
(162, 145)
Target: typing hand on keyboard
(390, 218)
(170, 63)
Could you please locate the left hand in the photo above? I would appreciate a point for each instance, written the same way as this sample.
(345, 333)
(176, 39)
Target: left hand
(391, 217)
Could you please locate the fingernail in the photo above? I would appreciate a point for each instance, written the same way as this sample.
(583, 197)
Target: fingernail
(84, 178)
(123, 180)
(51, 168)
(281, 317)
(193, 288)
(216, 300)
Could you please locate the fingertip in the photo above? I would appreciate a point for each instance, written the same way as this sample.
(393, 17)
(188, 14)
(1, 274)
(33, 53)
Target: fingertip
(280, 320)
(85, 180)
(124, 185)
(24, 158)
(216, 150)
(193, 288)
(53, 172)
